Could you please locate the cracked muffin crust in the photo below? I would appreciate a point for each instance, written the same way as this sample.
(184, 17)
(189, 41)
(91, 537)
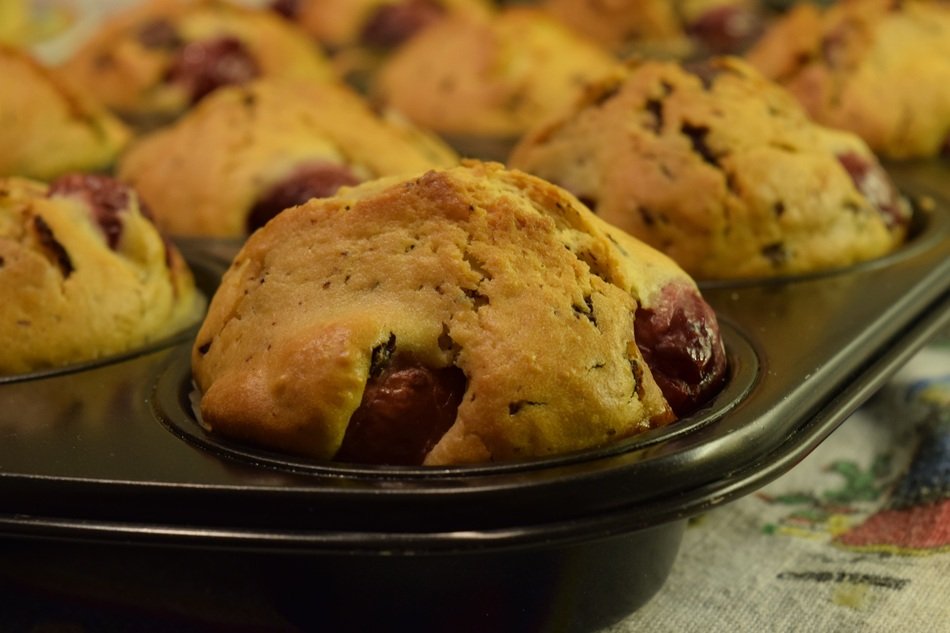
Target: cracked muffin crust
(154, 61)
(491, 77)
(84, 274)
(47, 129)
(720, 169)
(878, 68)
(471, 314)
(248, 152)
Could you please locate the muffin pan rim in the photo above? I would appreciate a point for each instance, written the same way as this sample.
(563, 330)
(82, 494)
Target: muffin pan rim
(184, 421)
(40, 490)
(612, 523)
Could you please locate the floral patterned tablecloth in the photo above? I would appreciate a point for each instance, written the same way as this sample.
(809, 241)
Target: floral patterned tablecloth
(856, 537)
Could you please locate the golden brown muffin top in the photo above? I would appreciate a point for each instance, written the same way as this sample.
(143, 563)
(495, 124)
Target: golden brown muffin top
(490, 77)
(720, 169)
(247, 152)
(84, 274)
(878, 68)
(484, 285)
(47, 128)
(153, 61)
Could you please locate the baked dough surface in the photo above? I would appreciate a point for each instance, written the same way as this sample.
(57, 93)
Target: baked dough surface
(127, 61)
(878, 68)
(47, 128)
(203, 174)
(496, 272)
(72, 290)
(493, 76)
(720, 169)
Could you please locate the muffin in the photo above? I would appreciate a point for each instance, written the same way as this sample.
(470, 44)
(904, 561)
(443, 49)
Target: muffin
(379, 24)
(152, 62)
(720, 169)
(359, 34)
(248, 152)
(672, 28)
(84, 274)
(47, 129)
(387, 324)
(489, 77)
(720, 27)
(878, 68)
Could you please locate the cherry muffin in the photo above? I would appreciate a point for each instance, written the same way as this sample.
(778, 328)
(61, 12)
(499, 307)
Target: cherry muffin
(491, 77)
(152, 62)
(358, 35)
(675, 28)
(878, 68)
(248, 152)
(48, 129)
(722, 170)
(84, 274)
(375, 24)
(465, 315)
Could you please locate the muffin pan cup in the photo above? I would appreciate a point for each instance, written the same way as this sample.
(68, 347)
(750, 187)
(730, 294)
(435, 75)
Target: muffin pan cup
(112, 456)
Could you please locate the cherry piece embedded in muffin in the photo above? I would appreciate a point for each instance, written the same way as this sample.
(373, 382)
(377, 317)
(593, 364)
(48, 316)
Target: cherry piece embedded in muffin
(875, 185)
(392, 24)
(287, 8)
(725, 29)
(406, 409)
(105, 196)
(206, 65)
(680, 342)
(317, 180)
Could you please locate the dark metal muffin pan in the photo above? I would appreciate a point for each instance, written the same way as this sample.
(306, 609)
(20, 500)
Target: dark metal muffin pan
(111, 456)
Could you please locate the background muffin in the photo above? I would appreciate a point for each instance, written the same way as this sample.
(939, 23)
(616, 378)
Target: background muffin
(382, 24)
(387, 324)
(491, 77)
(879, 68)
(358, 34)
(720, 169)
(720, 27)
(248, 152)
(153, 61)
(47, 129)
(84, 274)
(676, 28)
